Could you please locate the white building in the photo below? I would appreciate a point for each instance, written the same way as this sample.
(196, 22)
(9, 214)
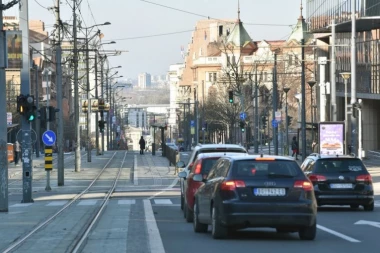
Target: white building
(144, 80)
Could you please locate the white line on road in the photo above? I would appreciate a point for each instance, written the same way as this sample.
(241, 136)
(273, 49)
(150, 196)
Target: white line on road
(155, 241)
(345, 237)
(135, 176)
(163, 201)
(175, 181)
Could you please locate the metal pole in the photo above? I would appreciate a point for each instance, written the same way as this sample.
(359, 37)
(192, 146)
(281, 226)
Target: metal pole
(257, 127)
(38, 121)
(360, 148)
(26, 155)
(76, 91)
(275, 129)
(286, 122)
(89, 139)
(196, 123)
(303, 109)
(322, 91)
(354, 134)
(102, 90)
(333, 72)
(96, 113)
(345, 116)
(3, 127)
(47, 73)
(108, 113)
(60, 140)
(311, 113)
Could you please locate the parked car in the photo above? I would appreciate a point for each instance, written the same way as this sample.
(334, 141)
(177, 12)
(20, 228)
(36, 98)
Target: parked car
(340, 180)
(205, 148)
(202, 166)
(255, 191)
(172, 145)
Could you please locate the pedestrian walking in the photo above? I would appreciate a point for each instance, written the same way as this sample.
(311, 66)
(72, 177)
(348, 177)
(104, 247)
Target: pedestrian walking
(295, 147)
(17, 152)
(142, 145)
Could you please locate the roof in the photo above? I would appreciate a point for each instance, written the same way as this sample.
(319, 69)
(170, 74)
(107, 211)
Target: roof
(319, 156)
(219, 154)
(219, 146)
(247, 157)
(239, 36)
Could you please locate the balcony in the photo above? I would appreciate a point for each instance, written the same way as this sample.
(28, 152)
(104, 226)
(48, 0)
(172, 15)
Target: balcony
(202, 61)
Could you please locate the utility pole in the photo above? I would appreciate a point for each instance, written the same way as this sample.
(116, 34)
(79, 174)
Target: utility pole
(47, 108)
(38, 121)
(275, 128)
(58, 65)
(97, 113)
(26, 142)
(303, 102)
(354, 125)
(333, 73)
(3, 118)
(102, 59)
(76, 91)
(89, 146)
(256, 112)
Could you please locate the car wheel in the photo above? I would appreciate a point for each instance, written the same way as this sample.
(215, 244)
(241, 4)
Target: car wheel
(198, 227)
(308, 233)
(189, 214)
(354, 206)
(369, 207)
(217, 230)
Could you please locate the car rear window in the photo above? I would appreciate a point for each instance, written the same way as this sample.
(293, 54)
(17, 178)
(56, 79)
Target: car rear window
(216, 150)
(266, 169)
(339, 165)
(207, 165)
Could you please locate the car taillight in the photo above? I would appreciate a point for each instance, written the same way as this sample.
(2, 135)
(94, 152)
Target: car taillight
(364, 178)
(198, 168)
(306, 185)
(317, 178)
(232, 185)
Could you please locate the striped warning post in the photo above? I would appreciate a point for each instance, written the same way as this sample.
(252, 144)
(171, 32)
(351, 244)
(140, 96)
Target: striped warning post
(48, 158)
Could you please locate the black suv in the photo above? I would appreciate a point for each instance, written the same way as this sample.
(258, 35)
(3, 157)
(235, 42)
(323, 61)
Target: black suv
(339, 180)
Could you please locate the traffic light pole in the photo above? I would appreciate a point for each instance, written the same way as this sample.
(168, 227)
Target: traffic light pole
(275, 128)
(3, 127)
(26, 142)
(96, 113)
(47, 188)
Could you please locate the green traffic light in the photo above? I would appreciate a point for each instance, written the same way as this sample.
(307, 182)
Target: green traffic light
(231, 100)
(31, 117)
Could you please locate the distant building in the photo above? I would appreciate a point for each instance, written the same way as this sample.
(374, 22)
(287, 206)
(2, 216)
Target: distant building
(144, 81)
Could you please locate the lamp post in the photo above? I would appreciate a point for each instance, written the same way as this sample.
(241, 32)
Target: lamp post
(345, 76)
(311, 84)
(286, 90)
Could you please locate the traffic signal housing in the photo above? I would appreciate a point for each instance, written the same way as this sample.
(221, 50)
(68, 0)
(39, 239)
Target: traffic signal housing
(31, 109)
(230, 96)
(264, 121)
(52, 110)
(21, 104)
(242, 126)
(101, 125)
(289, 120)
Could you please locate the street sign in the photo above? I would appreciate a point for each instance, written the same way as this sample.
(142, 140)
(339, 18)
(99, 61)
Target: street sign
(274, 123)
(278, 116)
(192, 123)
(243, 115)
(49, 138)
(48, 158)
(9, 118)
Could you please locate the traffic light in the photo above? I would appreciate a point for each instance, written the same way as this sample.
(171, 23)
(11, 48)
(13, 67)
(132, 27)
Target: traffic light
(42, 111)
(21, 104)
(264, 121)
(52, 110)
(101, 126)
(289, 120)
(101, 104)
(242, 126)
(30, 111)
(231, 96)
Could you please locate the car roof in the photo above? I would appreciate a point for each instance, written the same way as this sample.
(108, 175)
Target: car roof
(215, 146)
(219, 154)
(317, 156)
(253, 157)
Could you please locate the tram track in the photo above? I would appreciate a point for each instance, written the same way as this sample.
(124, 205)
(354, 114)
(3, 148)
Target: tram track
(83, 224)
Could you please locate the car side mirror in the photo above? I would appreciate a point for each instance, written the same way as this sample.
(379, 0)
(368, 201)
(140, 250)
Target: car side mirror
(180, 164)
(182, 174)
(199, 178)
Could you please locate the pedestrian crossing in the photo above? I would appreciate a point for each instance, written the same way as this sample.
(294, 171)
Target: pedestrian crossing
(92, 202)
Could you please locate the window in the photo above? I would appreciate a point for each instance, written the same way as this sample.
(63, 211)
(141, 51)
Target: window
(220, 30)
(266, 169)
(210, 77)
(214, 74)
(200, 52)
(339, 165)
(290, 60)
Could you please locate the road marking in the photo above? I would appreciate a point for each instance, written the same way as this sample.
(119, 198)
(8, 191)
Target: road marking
(87, 202)
(21, 205)
(175, 181)
(367, 222)
(57, 203)
(135, 175)
(163, 201)
(126, 202)
(345, 237)
(155, 241)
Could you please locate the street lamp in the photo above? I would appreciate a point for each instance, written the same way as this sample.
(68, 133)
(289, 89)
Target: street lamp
(286, 90)
(311, 84)
(345, 76)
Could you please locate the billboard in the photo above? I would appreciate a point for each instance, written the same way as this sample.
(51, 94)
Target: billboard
(14, 49)
(331, 138)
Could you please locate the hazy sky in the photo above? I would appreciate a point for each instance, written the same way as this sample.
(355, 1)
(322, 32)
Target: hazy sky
(140, 26)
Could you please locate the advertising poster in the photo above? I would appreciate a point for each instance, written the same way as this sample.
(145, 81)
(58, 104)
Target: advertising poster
(14, 49)
(331, 138)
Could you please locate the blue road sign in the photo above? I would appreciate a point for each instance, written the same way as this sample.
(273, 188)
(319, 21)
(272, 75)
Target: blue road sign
(274, 123)
(192, 123)
(243, 115)
(49, 138)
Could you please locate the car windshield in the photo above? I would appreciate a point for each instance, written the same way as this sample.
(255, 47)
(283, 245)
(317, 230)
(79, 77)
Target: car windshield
(266, 169)
(338, 165)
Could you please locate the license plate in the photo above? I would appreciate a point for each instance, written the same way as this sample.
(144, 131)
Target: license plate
(341, 186)
(269, 191)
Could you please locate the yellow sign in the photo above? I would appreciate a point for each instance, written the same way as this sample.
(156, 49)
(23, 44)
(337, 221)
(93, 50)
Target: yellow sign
(14, 49)
(48, 158)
